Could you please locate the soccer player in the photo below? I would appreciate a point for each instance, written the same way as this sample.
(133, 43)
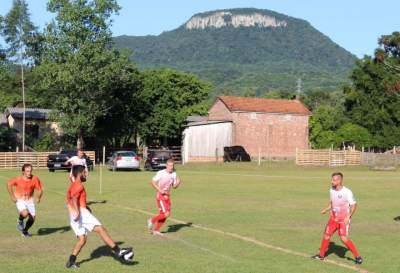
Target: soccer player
(82, 220)
(163, 182)
(342, 206)
(25, 186)
(78, 160)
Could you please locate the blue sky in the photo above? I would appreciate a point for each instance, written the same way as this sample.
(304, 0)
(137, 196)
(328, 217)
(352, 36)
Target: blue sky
(353, 24)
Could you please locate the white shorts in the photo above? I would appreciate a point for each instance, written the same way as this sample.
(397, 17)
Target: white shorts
(85, 224)
(26, 205)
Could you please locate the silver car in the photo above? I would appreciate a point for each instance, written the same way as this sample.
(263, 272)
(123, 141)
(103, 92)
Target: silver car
(124, 160)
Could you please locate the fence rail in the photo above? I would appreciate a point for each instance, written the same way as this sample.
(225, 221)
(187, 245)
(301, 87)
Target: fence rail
(14, 160)
(328, 157)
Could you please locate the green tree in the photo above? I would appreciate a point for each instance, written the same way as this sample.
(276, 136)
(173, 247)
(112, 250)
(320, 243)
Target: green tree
(354, 135)
(168, 97)
(81, 75)
(373, 102)
(18, 30)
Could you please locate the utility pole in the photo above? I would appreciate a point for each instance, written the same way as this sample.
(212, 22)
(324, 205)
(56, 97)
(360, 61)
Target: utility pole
(299, 88)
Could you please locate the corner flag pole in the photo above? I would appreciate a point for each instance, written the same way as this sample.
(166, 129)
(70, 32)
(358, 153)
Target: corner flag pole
(101, 171)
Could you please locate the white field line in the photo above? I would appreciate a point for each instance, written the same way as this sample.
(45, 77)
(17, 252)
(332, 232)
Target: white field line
(250, 240)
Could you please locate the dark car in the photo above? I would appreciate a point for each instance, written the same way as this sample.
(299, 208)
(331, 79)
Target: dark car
(157, 159)
(58, 161)
(235, 153)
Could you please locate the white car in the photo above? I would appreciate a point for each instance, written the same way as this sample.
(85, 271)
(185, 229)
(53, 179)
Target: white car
(124, 160)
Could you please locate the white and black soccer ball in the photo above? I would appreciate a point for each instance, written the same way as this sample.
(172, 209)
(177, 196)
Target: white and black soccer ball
(127, 254)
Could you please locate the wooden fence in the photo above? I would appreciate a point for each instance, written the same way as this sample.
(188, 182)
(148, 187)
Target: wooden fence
(328, 157)
(14, 160)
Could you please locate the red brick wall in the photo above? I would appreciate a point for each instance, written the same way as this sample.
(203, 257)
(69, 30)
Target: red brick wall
(274, 135)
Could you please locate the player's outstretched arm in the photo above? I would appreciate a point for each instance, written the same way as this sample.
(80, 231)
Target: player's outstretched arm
(39, 195)
(154, 184)
(11, 193)
(353, 209)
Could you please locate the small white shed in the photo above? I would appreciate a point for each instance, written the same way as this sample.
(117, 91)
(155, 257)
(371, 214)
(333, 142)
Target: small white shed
(205, 140)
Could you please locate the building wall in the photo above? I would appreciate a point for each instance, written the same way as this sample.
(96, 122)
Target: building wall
(218, 111)
(44, 126)
(271, 135)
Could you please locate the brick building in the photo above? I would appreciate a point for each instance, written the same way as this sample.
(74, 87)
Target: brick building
(272, 127)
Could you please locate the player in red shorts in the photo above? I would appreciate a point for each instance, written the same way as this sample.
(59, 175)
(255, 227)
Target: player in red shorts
(342, 206)
(82, 221)
(25, 186)
(163, 182)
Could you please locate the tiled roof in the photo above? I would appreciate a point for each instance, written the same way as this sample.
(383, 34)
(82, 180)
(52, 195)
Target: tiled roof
(246, 104)
(30, 113)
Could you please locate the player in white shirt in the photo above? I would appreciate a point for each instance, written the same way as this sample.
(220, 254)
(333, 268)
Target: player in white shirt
(78, 160)
(163, 182)
(342, 206)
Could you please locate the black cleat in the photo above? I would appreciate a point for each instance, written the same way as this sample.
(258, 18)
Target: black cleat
(317, 257)
(71, 265)
(358, 260)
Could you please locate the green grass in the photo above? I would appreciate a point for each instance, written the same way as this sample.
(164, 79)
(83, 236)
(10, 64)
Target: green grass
(277, 204)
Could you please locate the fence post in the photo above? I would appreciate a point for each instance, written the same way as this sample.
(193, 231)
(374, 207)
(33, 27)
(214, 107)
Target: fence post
(216, 155)
(330, 155)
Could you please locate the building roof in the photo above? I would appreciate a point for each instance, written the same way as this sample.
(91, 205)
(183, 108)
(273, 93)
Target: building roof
(30, 113)
(196, 118)
(246, 104)
(206, 122)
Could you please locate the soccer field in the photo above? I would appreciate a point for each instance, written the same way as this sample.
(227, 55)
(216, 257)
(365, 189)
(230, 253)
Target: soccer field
(225, 218)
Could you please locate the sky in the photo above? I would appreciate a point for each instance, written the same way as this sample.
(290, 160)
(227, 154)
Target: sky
(355, 25)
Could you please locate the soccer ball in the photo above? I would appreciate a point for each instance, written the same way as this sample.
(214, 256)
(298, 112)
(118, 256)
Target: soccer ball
(127, 254)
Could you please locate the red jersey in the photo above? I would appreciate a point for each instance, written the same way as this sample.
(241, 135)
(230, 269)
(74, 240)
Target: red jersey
(24, 188)
(77, 190)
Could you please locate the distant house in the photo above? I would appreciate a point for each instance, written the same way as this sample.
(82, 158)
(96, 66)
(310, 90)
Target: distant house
(271, 128)
(37, 122)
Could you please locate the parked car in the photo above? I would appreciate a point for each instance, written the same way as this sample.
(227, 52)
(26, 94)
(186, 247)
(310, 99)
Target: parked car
(157, 159)
(58, 161)
(235, 153)
(126, 160)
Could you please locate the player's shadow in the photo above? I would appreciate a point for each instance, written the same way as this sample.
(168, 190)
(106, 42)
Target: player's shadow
(338, 250)
(47, 231)
(397, 218)
(96, 202)
(177, 227)
(105, 251)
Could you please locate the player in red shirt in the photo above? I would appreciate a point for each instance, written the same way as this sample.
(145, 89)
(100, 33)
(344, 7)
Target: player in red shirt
(342, 205)
(23, 196)
(83, 221)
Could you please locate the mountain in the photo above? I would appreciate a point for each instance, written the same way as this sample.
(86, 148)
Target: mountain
(246, 49)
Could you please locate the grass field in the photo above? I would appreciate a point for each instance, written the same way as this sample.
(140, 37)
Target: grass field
(225, 218)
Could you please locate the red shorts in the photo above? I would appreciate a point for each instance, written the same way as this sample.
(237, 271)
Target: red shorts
(163, 203)
(333, 225)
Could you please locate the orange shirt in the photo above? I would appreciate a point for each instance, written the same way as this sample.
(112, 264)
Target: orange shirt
(77, 190)
(24, 188)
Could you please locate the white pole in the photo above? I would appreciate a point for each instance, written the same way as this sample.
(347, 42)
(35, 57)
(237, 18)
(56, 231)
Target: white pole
(259, 156)
(101, 171)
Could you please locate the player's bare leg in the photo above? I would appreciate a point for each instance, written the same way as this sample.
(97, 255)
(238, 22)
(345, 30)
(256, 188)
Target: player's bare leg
(20, 223)
(77, 248)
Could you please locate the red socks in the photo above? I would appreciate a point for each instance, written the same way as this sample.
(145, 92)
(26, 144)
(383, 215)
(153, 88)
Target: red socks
(159, 220)
(352, 248)
(323, 248)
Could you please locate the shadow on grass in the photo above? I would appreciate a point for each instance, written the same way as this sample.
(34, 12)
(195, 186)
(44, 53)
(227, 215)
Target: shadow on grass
(397, 218)
(338, 250)
(105, 251)
(96, 202)
(48, 231)
(177, 227)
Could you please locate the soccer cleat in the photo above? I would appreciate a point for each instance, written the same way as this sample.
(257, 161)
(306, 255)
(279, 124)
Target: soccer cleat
(150, 224)
(317, 257)
(358, 260)
(71, 265)
(20, 225)
(26, 234)
(126, 253)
